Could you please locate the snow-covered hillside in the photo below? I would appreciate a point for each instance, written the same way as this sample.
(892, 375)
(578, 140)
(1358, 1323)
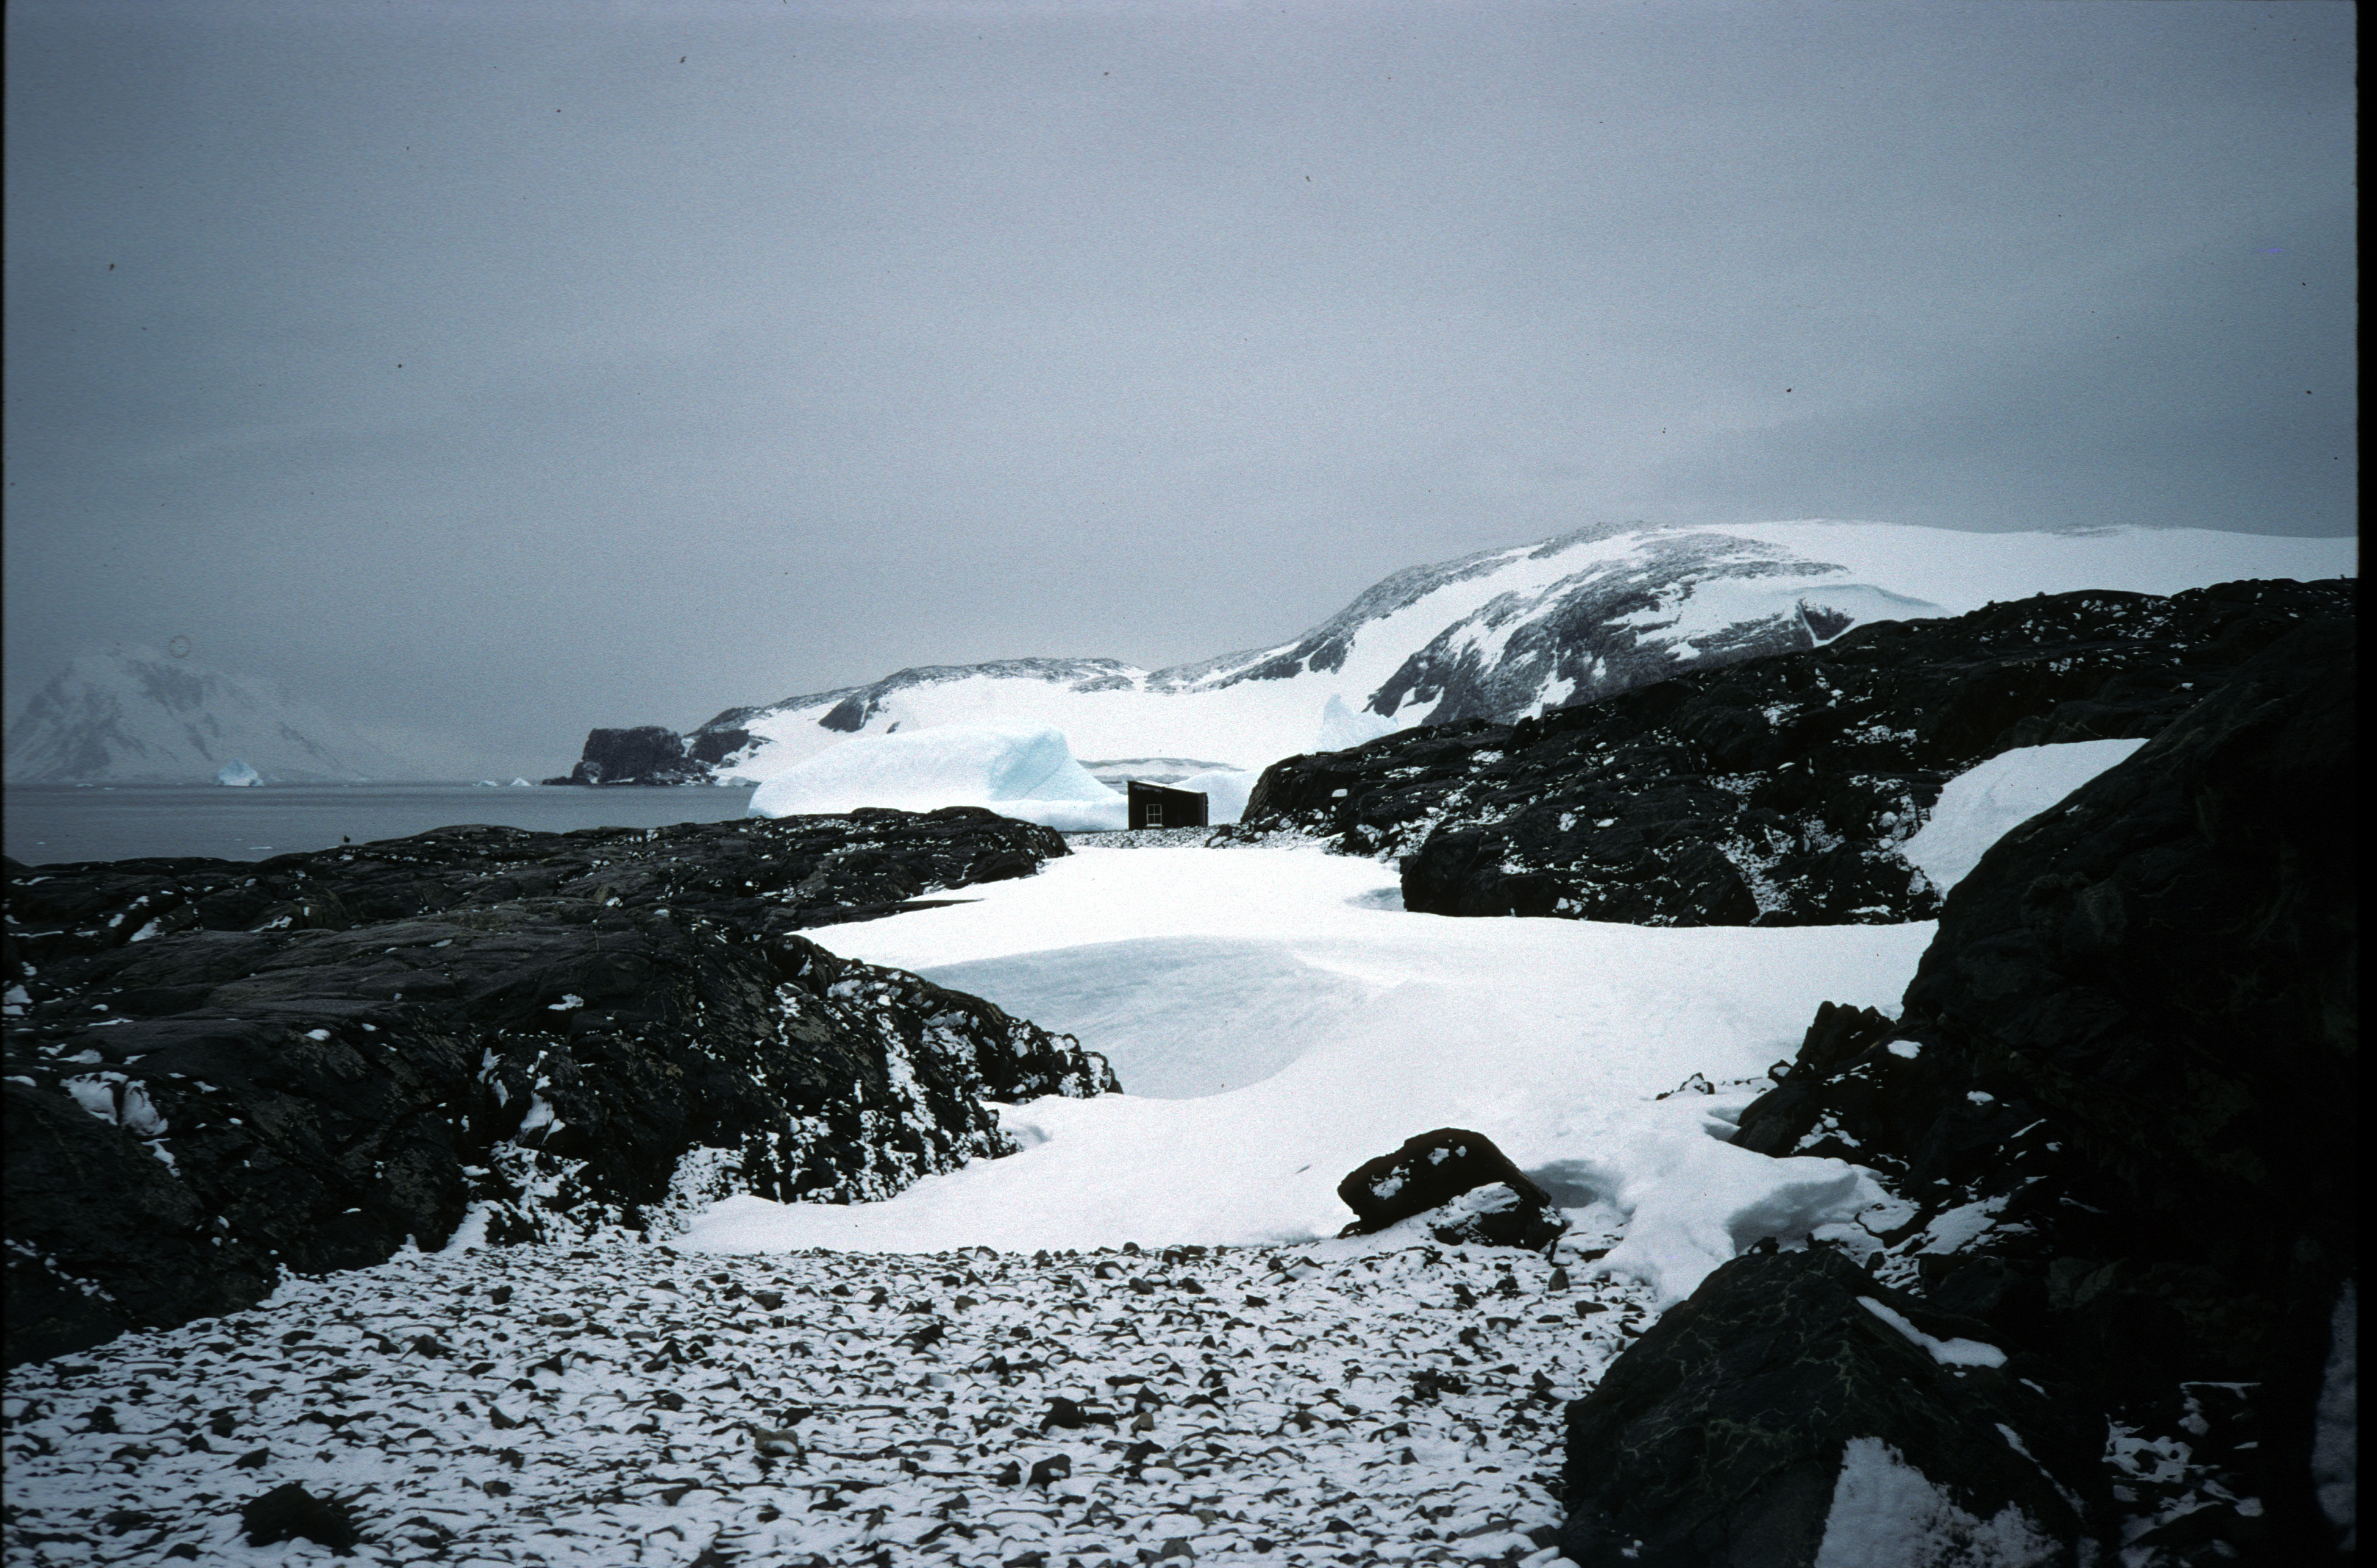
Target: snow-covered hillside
(138, 716)
(1509, 632)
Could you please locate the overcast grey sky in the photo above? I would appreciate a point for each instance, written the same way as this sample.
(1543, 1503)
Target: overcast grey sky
(506, 369)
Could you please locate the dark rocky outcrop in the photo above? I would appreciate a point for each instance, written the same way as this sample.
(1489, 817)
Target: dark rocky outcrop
(775, 875)
(291, 1513)
(218, 1071)
(1774, 791)
(2122, 1104)
(647, 754)
(711, 747)
(1717, 1437)
(1468, 1190)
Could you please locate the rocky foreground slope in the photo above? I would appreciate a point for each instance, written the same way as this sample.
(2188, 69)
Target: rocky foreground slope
(967, 1409)
(221, 1071)
(1775, 791)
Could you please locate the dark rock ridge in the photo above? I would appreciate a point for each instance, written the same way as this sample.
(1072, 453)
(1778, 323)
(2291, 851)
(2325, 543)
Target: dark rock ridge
(1469, 1190)
(2121, 1108)
(1775, 791)
(217, 1071)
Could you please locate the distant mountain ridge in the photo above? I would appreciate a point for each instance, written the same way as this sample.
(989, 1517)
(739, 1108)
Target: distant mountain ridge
(136, 715)
(1508, 633)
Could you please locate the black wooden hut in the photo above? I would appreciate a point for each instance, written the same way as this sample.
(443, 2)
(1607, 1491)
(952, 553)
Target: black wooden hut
(1152, 805)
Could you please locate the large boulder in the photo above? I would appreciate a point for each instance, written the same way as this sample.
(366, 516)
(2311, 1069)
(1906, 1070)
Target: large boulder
(218, 1071)
(2121, 1106)
(1729, 1435)
(1466, 1189)
(1778, 790)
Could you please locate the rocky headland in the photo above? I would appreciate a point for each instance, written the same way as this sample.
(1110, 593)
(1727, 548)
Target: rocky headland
(219, 1074)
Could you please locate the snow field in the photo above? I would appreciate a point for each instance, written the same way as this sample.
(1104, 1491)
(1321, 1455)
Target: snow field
(1278, 1018)
(1296, 1022)
(1360, 1402)
(898, 1382)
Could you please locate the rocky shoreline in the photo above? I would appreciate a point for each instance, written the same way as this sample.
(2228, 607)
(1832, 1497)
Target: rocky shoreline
(220, 1072)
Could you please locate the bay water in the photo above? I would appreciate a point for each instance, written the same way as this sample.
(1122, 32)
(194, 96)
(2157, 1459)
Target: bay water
(49, 823)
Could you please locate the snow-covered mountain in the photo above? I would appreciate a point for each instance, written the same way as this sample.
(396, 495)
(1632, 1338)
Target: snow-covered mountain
(137, 716)
(1510, 632)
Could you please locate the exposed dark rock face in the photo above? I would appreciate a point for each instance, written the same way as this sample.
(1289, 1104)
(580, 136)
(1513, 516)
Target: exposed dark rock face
(1496, 1215)
(649, 754)
(1593, 636)
(1468, 1187)
(1774, 791)
(711, 747)
(1717, 1438)
(2121, 1103)
(219, 1069)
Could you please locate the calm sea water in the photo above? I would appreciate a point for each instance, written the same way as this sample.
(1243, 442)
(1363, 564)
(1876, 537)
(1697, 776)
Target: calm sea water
(49, 823)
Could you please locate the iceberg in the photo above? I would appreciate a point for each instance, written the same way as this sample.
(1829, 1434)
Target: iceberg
(1342, 728)
(1226, 791)
(1022, 770)
(238, 775)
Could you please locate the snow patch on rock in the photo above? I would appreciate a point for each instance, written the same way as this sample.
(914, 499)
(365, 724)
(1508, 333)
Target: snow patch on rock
(1982, 805)
(1886, 1511)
